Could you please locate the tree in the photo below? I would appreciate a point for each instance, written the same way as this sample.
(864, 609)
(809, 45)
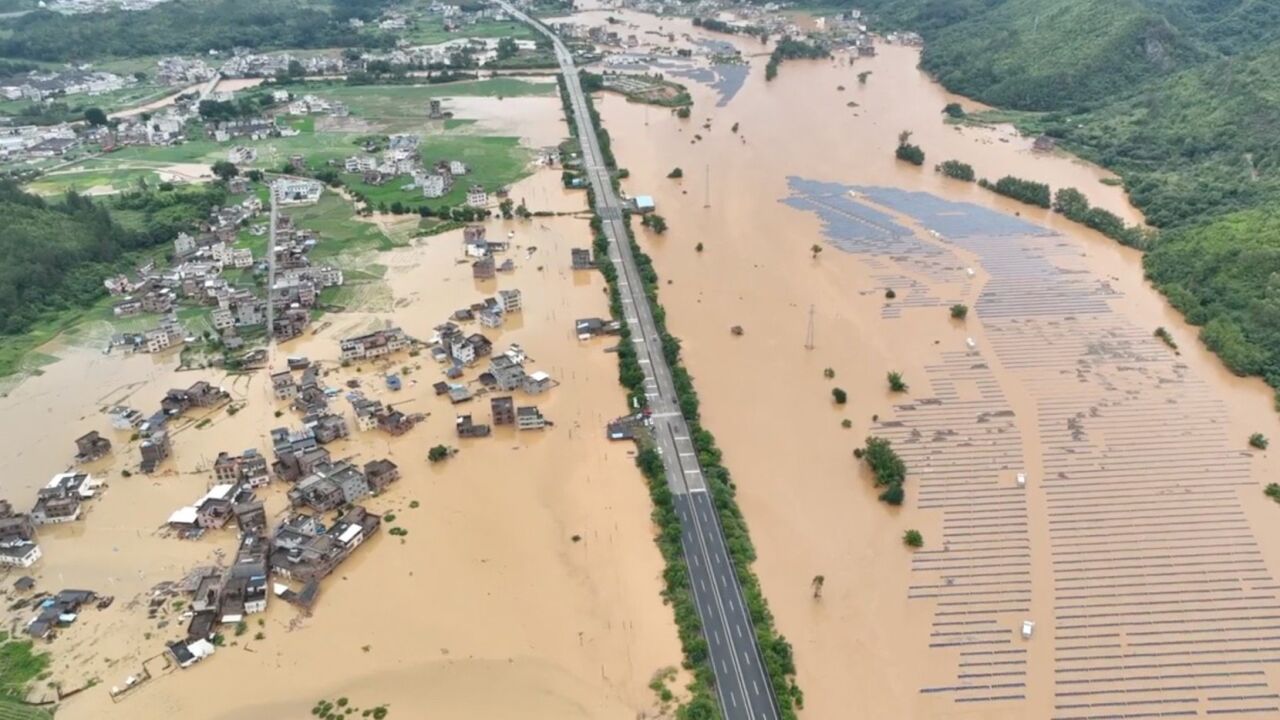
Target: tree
(676, 173)
(438, 453)
(862, 77)
(893, 495)
(1259, 441)
(507, 48)
(910, 153)
(913, 539)
(839, 395)
(817, 583)
(224, 170)
(895, 382)
(890, 294)
(956, 169)
(954, 110)
(655, 222)
(95, 116)
(816, 249)
(254, 175)
(505, 207)
(698, 247)
(959, 311)
(684, 112)
(829, 373)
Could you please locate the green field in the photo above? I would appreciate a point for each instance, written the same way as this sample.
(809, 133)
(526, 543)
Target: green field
(430, 31)
(333, 218)
(493, 162)
(86, 179)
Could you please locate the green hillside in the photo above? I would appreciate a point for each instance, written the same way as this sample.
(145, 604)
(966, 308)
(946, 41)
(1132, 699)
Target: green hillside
(1180, 97)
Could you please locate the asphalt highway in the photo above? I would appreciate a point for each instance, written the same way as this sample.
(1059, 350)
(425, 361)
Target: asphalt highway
(742, 683)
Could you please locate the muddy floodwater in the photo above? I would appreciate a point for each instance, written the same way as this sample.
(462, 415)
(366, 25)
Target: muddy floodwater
(527, 584)
(1141, 545)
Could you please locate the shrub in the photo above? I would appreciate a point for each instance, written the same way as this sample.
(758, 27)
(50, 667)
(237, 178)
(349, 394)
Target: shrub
(839, 396)
(959, 311)
(956, 169)
(910, 153)
(893, 495)
(895, 382)
(913, 538)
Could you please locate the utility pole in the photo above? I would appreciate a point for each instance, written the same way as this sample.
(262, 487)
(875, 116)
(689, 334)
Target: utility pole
(808, 337)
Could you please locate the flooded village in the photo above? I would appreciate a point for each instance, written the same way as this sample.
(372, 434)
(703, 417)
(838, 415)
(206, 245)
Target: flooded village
(430, 501)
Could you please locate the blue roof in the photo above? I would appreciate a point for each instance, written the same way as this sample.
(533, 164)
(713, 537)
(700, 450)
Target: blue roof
(644, 201)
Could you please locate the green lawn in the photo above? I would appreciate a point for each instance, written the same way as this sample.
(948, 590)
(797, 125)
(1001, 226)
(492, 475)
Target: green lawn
(14, 710)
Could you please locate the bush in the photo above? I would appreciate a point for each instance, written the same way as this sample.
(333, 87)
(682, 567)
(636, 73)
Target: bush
(895, 382)
(1027, 191)
(910, 153)
(893, 495)
(913, 538)
(956, 169)
(1259, 441)
(839, 396)
(959, 311)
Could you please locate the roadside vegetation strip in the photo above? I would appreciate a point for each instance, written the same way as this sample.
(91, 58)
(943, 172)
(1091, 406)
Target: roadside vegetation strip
(775, 650)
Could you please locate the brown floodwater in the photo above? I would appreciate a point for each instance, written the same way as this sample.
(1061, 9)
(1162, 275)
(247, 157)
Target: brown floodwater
(528, 585)
(1141, 546)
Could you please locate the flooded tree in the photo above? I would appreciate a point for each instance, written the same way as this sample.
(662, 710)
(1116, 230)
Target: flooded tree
(913, 539)
(959, 311)
(839, 395)
(1259, 441)
(896, 384)
(816, 249)
(817, 583)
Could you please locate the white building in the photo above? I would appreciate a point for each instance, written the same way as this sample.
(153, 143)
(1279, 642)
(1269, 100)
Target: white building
(477, 197)
(457, 167)
(361, 163)
(510, 299)
(297, 191)
(20, 554)
(434, 186)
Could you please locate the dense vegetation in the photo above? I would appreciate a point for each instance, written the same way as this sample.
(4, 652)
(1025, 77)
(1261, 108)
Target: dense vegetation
(188, 26)
(58, 253)
(789, 48)
(956, 169)
(1180, 97)
(1027, 191)
(889, 471)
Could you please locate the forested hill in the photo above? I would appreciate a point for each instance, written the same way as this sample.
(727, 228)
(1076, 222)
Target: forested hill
(1054, 55)
(1180, 97)
(56, 254)
(189, 27)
